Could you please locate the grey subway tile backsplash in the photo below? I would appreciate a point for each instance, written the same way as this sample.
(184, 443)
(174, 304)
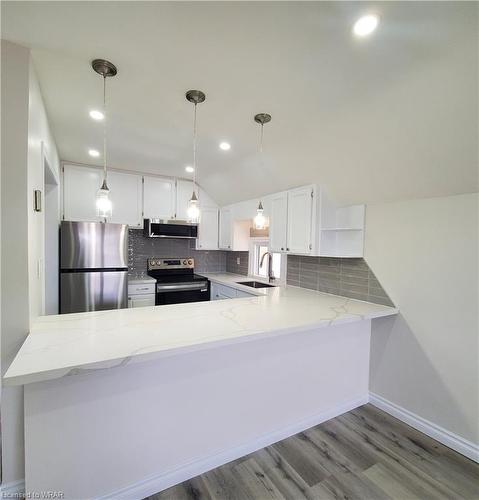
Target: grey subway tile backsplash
(237, 262)
(348, 277)
(141, 248)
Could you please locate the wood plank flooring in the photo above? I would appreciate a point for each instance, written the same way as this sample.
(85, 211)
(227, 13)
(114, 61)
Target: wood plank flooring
(364, 454)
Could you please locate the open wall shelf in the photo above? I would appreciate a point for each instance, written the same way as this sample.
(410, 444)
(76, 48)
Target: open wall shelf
(341, 231)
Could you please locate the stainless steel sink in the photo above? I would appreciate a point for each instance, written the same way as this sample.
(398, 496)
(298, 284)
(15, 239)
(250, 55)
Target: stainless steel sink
(255, 284)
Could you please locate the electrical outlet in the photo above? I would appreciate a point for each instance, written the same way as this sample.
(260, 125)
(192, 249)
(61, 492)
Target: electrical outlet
(238, 261)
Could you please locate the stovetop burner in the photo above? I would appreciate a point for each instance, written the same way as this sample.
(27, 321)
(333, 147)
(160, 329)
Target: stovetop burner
(173, 270)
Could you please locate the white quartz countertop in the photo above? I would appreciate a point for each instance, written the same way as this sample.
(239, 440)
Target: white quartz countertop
(70, 344)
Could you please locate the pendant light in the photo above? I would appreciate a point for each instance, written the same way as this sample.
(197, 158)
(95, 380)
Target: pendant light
(193, 211)
(260, 220)
(103, 202)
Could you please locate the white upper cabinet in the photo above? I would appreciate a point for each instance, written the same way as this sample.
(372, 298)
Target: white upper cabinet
(80, 187)
(208, 230)
(159, 197)
(278, 221)
(125, 194)
(300, 214)
(226, 233)
(184, 190)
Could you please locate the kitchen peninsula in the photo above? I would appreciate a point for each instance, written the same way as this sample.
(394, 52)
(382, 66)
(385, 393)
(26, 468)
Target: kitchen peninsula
(149, 397)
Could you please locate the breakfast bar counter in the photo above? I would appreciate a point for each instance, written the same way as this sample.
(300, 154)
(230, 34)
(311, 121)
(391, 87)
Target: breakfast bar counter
(61, 345)
(141, 399)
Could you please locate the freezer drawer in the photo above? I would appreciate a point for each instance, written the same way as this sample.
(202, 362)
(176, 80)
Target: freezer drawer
(93, 291)
(90, 245)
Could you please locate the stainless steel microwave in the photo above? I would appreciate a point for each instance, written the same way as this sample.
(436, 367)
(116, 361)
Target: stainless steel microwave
(159, 228)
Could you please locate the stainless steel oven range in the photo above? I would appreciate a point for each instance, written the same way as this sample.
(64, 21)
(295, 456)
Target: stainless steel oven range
(176, 281)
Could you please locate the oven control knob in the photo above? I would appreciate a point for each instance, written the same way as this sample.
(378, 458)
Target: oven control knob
(190, 262)
(185, 262)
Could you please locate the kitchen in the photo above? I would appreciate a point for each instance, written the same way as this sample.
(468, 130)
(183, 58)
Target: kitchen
(192, 264)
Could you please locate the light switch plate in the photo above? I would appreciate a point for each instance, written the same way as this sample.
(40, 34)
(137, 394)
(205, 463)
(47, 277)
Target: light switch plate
(238, 261)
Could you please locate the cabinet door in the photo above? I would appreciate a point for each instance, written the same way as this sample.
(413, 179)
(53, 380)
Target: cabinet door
(184, 190)
(141, 300)
(126, 198)
(300, 205)
(225, 237)
(158, 198)
(208, 230)
(80, 187)
(278, 220)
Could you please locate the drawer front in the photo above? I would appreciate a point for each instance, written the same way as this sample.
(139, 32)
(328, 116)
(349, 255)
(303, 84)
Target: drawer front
(227, 291)
(141, 300)
(141, 289)
(221, 292)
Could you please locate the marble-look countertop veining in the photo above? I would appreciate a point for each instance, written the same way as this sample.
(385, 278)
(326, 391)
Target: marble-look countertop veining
(70, 344)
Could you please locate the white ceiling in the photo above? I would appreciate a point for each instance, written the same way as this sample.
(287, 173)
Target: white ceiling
(390, 117)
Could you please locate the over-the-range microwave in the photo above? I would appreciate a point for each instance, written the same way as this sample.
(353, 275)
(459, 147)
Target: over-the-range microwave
(164, 228)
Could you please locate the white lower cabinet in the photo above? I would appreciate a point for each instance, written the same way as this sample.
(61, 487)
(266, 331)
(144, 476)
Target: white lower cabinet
(141, 300)
(141, 294)
(221, 292)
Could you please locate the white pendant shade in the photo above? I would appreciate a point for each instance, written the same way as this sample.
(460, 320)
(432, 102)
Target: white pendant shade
(260, 219)
(104, 206)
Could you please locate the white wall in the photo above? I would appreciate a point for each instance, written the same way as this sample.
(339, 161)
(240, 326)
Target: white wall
(40, 144)
(14, 242)
(425, 254)
(25, 139)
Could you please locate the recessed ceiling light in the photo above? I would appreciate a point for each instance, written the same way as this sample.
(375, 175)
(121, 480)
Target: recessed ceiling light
(94, 153)
(225, 146)
(96, 115)
(189, 169)
(365, 25)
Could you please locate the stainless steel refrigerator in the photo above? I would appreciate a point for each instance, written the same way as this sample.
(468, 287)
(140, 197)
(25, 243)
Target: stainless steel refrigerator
(93, 266)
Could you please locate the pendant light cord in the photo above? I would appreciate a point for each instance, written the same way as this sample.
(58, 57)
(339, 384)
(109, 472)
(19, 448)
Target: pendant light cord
(194, 149)
(104, 128)
(261, 139)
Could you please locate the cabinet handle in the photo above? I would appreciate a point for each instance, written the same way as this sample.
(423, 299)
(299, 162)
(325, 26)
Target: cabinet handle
(282, 248)
(287, 249)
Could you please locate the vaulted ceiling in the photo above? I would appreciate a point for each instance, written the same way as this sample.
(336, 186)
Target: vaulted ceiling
(389, 117)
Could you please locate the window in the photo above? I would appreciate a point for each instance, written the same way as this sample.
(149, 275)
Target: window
(258, 249)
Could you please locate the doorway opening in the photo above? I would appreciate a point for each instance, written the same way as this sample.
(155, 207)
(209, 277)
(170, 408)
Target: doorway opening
(51, 240)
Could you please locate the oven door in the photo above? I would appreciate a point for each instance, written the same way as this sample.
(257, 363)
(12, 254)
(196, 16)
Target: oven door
(177, 293)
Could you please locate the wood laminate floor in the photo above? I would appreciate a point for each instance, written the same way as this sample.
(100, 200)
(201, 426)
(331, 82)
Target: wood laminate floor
(364, 454)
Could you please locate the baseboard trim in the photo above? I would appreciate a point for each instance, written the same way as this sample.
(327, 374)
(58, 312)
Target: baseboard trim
(201, 465)
(13, 489)
(448, 438)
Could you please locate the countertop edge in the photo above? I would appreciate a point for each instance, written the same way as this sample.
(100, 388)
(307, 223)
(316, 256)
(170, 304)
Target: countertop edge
(109, 364)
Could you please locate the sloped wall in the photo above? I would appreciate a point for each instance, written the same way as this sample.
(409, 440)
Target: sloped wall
(425, 253)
